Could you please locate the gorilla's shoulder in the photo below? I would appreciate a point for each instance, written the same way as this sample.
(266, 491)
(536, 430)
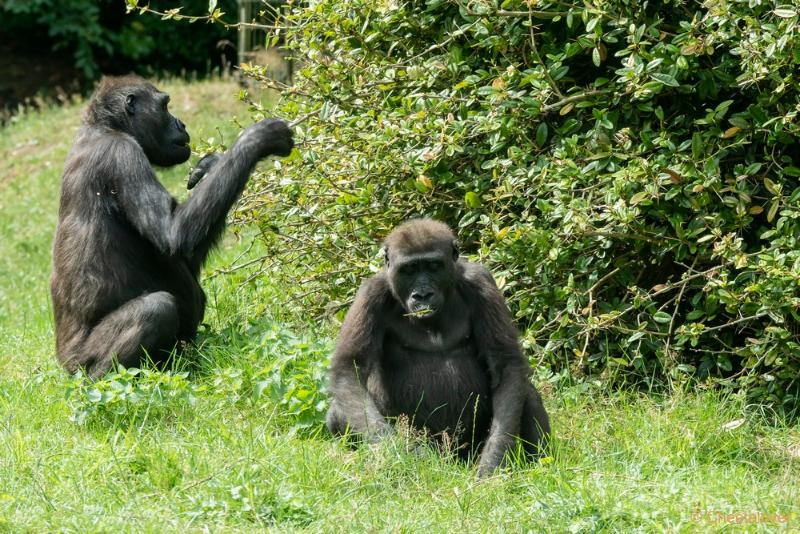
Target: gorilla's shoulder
(102, 136)
(475, 274)
(372, 297)
(374, 287)
(106, 149)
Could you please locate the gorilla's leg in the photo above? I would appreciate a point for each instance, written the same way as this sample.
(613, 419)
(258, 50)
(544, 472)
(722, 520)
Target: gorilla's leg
(535, 427)
(335, 420)
(145, 324)
(359, 420)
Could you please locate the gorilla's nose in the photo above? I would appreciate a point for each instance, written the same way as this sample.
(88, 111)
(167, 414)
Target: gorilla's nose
(422, 296)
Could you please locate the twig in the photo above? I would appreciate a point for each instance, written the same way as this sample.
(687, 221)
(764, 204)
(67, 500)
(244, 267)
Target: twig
(731, 323)
(671, 328)
(303, 118)
(177, 15)
(444, 43)
(507, 13)
(590, 305)
(602, 280)
(532, 13)
(570, 99)
(538, 58)
(622, 235)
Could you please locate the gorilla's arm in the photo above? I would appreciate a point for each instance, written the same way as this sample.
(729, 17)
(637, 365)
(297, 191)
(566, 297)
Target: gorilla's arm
(496, 337)
(190, 229)
(358, 349)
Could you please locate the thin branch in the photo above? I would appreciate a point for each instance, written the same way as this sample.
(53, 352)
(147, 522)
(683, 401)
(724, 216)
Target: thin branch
(620, 235)
(453, 36)
(301, 119)
(533, 13)
(550, 80)
(506, 13)
(177, 15)
(602, 280)
(571, 99)
(731, 323)
(671, 328)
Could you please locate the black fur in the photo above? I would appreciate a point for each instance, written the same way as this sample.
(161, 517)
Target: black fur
(430, 337)
(126, 255)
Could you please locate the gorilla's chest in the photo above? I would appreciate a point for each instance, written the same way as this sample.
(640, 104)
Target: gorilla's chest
(436, 378)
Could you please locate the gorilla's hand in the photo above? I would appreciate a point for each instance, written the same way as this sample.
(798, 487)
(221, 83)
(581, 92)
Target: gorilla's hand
(201, 169)
(273, 136)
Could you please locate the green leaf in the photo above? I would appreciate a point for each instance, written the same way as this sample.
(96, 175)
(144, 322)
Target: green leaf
(752, 169)
(773, 210)
(638, 197)
(212, 5)
(662, 317)
(771, 187)
(785, 12)
(694, 315)
(740, 123)
(665, 79)
(472, 200)
(541, 134)
(697, 145)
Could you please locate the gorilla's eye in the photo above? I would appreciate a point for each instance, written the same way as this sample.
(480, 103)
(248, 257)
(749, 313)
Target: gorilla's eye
(435, 265)
(408, 269)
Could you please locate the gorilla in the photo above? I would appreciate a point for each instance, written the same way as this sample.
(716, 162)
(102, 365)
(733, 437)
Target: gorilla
(126, 255)
(430, 337)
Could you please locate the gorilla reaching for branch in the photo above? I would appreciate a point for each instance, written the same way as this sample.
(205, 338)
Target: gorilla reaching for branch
(126, 255)
(430, 337)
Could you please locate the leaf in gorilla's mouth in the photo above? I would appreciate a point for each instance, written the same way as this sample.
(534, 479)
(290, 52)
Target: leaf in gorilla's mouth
(422, 312)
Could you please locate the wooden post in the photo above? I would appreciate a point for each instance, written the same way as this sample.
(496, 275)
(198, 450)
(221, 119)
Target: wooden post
(243, 31)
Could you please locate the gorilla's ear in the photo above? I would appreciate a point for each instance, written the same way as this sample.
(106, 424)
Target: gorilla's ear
(455, 251)
(129, 104)
(385, 255)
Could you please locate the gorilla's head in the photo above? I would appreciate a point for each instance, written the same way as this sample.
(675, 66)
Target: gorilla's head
(131, 105)
(420, 258)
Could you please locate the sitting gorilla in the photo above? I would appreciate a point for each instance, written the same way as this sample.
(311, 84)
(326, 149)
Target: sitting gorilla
(430, 337)
(126, 255)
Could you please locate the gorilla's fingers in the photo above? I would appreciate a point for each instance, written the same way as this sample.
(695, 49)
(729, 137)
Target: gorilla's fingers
(201, 169)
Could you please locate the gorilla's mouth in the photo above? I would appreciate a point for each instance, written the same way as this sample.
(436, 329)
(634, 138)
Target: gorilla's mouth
(421, 311)
(182, 141)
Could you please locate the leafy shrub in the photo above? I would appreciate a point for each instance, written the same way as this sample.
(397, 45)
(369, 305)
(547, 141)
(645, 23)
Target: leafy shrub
(629, 171)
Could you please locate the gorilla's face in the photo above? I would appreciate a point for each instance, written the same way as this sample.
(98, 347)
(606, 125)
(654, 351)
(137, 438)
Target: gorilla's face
(421, 282)
(162, 136)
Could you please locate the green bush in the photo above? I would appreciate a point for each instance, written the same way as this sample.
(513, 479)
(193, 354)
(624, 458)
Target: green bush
(630, 172)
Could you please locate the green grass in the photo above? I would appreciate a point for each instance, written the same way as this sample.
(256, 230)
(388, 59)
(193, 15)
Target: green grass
(236, 446)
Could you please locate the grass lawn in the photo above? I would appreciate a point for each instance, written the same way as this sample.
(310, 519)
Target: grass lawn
(235, 444)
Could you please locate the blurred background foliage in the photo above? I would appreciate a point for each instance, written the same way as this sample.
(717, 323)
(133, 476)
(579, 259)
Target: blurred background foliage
(97, 37)
(629, 170)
